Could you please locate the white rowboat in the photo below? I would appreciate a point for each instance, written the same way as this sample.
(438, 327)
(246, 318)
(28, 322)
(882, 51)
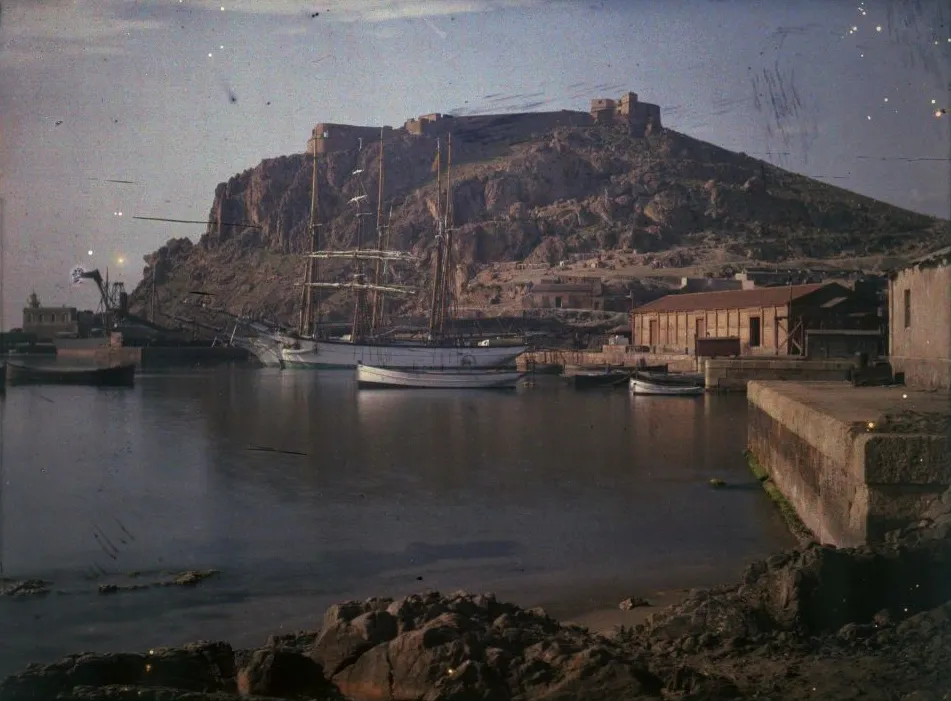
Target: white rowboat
(660, 388)
(374, 377)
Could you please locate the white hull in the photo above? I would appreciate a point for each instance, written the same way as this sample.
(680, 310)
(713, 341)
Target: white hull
(375, 377)
(342, 354)
(266, 350)
(656, 388)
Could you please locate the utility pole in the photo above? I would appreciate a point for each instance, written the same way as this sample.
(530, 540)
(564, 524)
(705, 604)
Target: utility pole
(2, 261)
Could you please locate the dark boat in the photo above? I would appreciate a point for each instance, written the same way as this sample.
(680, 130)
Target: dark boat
(590, 379)
(115, 376)
(544, 369)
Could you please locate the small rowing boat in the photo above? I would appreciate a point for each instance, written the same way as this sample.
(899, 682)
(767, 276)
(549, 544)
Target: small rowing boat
(671, 384)
(375, 377)
(589, 379)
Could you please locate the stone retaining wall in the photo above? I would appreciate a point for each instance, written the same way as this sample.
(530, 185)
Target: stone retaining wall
(849, 484)
(733, 374)
(153, 358)
(613, 356)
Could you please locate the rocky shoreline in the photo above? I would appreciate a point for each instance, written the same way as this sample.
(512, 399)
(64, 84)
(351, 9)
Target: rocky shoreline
(816, 622)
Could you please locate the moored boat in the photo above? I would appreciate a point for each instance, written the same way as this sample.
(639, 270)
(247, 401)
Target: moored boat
(344, 354)
(661, 383)
(694, 378)
(266, 351)
(680, 389)
(369, 376)
(115, 376)
(590, 379)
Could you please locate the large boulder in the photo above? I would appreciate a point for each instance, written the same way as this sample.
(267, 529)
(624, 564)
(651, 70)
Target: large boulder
(283, 673)
(200, 667)
(470, 647)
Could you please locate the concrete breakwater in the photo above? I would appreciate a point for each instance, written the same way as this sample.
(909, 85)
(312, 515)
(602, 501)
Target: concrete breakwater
(855, 463)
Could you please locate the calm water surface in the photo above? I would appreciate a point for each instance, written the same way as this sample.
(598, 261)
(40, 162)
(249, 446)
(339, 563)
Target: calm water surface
(544, 495)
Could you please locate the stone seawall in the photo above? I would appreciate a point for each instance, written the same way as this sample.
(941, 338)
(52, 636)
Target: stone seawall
(923, 372)
(153, 358)
(612, 356)
(855, 463)
(733, 374)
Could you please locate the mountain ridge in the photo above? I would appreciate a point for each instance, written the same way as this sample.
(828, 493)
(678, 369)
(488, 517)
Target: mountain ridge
(663, 199)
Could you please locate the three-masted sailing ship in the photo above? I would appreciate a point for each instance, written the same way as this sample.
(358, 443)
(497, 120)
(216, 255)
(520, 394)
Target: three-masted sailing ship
(367, 344)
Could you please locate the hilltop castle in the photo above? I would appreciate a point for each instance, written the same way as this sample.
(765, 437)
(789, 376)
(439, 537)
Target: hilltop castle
(641, 119)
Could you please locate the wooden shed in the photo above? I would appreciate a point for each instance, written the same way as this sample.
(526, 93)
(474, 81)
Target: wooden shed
(767, 320)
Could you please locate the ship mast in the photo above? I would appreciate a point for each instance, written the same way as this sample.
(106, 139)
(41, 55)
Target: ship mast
(305, 326)
(435, 302)
(358, 256)
(445, 311)
(376, 314)
(380, 318)
(443, 289)
(359, 323)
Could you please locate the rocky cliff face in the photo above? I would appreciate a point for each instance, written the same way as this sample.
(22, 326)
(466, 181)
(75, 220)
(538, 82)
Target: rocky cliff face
(572, 190)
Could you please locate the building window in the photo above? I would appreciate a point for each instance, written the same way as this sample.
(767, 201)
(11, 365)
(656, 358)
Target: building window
(755, 335)
(907, 309)
(558, 302)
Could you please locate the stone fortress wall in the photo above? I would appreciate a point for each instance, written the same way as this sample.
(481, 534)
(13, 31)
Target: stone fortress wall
(641, 118)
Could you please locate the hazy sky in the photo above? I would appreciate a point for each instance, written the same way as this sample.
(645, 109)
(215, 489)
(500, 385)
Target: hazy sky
(179, 95)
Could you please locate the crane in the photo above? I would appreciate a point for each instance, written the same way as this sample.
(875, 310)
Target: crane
(113, 302)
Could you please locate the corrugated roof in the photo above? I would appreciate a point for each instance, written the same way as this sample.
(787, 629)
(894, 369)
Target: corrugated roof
(729, 299)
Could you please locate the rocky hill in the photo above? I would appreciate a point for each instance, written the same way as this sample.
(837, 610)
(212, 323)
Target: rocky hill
(668, 200)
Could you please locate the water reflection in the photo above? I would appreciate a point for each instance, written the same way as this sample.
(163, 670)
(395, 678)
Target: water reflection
(91, 479)
(466, 488)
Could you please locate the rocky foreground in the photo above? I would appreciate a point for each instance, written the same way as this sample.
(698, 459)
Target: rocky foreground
(816, 623)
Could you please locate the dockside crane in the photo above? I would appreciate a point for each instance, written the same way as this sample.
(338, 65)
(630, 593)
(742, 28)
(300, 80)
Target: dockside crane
(113, 300)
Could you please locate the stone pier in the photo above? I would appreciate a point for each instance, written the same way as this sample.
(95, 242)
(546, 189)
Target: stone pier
(855, 463)
(733, 374)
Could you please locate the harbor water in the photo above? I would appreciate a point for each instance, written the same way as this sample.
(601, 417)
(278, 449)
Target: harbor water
(303, 491)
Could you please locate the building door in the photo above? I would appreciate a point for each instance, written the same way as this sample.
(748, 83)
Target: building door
(653, 336)
(755, 332)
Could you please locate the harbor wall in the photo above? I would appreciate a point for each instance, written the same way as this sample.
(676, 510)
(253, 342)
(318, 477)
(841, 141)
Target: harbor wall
(610, 356)
(154, 358)
(733, 374)
(848, 483)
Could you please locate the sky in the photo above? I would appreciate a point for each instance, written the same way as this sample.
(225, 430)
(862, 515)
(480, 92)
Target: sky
(176, 96)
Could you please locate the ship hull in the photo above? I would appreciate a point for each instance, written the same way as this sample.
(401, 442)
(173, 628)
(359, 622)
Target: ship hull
(341, 354)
